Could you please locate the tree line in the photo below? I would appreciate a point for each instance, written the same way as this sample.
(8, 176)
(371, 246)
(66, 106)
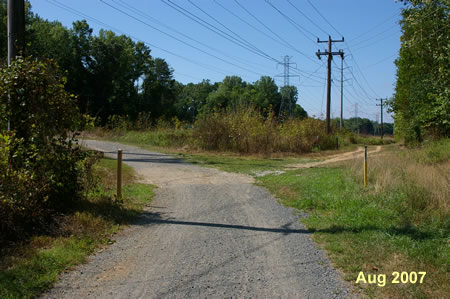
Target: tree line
(422, 94)
(114, 75)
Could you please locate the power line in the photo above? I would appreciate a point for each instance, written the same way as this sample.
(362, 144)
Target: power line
(176, 38)
(216, 30)
(306, 16)
(380, 61)
(220, 23)
(348, 47)
(374, 27)
(376, 41)
(76, 12)
(273, 32)
(128, 6)
(293, 23)
(372, 37)
(324, 18)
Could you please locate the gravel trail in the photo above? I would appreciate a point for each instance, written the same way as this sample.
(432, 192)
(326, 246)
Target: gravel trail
(206, 234)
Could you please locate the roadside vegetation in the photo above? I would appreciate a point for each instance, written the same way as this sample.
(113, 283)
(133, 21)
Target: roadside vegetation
(32, 265)
(54, 208)
(246, 130)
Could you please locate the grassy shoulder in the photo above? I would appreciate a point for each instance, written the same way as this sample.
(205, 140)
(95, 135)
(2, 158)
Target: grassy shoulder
(29, 268)
(399, 223)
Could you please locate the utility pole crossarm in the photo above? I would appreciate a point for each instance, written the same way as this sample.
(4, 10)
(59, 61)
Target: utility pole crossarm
(330, 55)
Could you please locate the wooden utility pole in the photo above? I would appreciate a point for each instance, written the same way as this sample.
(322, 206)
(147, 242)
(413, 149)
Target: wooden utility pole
(16, 31)
(16, 28)
(381, 108)
(330, 54)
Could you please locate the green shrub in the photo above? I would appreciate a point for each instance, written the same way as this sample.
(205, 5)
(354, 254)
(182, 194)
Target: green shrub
(41, 168)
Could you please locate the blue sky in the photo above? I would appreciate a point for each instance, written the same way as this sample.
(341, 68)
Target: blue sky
(254, 36)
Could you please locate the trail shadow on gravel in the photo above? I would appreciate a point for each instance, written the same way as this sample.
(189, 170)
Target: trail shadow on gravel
(149, 218)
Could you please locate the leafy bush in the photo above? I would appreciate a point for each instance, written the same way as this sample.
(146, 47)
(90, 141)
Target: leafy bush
(41, 168)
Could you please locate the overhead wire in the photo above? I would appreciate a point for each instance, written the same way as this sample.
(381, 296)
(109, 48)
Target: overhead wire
(126, 5)
(216, 30)
(373, 28)
(287, 44)
(306, 16)
(325, 19)
(293, 23)
(178, 39)
(79, 13)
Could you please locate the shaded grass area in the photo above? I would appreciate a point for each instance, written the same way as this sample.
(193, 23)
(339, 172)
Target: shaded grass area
(368, 231)
(29, 268)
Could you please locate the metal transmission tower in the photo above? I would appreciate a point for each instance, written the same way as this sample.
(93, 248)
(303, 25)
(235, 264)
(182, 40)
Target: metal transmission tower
(286, 64)
(330, 54)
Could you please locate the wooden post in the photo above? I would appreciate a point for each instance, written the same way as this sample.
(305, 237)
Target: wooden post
(119, 174)
(365, 166)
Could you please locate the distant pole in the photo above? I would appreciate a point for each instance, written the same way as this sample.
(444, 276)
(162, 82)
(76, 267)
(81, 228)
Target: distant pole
(330, 57)
(119, 174)
(381, 112)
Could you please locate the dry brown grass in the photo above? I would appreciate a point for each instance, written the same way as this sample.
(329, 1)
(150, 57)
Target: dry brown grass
(395, 168)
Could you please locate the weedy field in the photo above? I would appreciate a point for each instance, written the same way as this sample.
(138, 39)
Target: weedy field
(30, 267)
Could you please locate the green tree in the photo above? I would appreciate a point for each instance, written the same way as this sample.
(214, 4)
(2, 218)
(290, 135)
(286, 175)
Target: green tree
(290, 97)
(159, 90)
(228, 94)
(421, 103)
(191, 98)
(267, 94)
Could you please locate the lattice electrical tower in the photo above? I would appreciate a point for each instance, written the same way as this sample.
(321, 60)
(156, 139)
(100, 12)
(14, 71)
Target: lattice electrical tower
(286, 64)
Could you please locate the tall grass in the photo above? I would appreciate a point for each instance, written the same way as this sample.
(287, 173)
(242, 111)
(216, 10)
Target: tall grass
(248, 131)
(420, 176)
(245, 130)
(400, 222)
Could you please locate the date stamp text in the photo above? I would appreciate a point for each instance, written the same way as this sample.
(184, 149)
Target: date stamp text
(395, 278)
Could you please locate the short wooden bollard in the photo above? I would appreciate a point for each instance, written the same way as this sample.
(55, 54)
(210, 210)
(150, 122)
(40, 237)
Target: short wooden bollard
(119, 174)
(365, 166)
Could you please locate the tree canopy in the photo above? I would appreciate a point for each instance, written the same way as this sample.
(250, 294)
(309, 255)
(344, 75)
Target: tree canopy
(114, 75)
(422, 95)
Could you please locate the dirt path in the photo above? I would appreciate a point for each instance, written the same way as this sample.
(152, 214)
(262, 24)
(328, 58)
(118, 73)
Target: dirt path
(337, 158)
(207, 234)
